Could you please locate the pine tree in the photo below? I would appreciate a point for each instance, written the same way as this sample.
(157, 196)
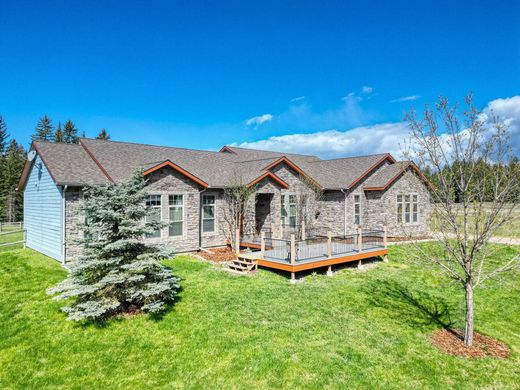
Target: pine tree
(103, 135)
(58, 136)
(117, 272)
(3, 136)
(70, 132)
(12, 169)
(44, 130)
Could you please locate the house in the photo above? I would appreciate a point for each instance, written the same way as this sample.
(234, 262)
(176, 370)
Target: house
(186, 188)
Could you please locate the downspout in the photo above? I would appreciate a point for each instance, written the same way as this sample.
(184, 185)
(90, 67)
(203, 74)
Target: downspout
(200, 217)
(344, 213)
(63, 220)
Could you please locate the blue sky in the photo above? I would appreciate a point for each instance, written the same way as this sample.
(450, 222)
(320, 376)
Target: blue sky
(204, 74)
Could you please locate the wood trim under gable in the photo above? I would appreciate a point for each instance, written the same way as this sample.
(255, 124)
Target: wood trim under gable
(293, 166)
(86, 149)
(177, 168)
(271, 175)
(227, 149)
(367, 172)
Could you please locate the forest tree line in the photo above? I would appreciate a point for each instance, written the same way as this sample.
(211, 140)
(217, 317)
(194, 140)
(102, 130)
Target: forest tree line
(13, 156)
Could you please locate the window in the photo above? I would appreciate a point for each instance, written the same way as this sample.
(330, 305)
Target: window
(154, 202)
(292, 210)
(408, 208)
(357, 209)
(208, 213)
(176, 206)
(283, 210)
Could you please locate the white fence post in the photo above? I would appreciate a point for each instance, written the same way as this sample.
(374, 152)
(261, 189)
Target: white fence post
(385, 243)
(293, 249)
(304, 235)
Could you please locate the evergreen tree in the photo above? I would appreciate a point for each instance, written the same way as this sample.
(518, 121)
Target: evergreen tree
(3, 135)
(103, 135)
(12, 169)
(70, 132)
(58, 136)
(117, 272)
(44, 130)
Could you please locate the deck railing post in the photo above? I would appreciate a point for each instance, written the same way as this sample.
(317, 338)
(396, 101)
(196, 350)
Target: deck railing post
(237, 241)
(262, 244)
(273, 234)
(281, 229)
(293, 249)
(304, 236)
(329, 244)
(385, 243)
(360, 239)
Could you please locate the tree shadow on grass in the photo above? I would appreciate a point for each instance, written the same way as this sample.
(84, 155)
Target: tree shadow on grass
(417, 308)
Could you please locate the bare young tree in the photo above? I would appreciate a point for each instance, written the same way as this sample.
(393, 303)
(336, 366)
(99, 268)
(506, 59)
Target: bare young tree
(237, 198)
(308, 195)
(476, 191)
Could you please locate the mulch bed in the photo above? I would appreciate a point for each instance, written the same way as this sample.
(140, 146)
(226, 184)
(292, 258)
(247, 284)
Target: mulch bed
(218, 254)
(452, 342)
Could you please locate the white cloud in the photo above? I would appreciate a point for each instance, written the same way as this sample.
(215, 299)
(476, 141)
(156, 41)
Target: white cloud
(508, 110)
(380, 138)
(406, 99)
(366, 89)
(258, 120)
(297, 99)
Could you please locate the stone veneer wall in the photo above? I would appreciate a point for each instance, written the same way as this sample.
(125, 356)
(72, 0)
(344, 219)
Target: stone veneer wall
(165, 182)
(72, 219)
(377, 207)
(381, 207)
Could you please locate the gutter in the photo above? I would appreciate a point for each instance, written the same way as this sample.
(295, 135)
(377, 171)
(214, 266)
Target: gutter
(344, 213)
(63, 220)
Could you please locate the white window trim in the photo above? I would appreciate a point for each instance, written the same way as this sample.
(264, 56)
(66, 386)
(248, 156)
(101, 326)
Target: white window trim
(360, 209)
(403, 211)
(160, 216)
(215, 227)
(183, 235)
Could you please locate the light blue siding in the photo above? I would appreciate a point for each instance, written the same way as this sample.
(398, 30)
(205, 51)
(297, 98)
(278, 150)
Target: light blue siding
(43, 211)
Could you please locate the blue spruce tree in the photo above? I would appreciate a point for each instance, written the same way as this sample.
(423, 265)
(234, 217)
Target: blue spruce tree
(117, 273)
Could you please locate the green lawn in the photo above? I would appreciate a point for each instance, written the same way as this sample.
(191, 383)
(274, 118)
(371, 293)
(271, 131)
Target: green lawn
(14, 236)
(358, 329)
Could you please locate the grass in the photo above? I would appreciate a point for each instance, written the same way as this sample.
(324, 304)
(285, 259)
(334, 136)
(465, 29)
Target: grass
(14, 236)
(358, 329)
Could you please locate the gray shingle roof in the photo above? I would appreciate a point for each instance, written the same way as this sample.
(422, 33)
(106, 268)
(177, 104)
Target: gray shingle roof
(382, 178)
(77, 164)
(342, 172)
(69, 164)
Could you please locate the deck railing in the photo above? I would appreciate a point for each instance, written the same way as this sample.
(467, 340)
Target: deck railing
(321, 244)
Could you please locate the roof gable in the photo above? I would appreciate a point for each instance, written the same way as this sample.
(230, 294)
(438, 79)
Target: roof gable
(385, 177)
(177, 168)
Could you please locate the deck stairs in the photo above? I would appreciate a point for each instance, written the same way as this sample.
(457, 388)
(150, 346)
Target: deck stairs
(245, 264)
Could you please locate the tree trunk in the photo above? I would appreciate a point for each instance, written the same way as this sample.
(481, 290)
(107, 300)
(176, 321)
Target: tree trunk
(468, 330)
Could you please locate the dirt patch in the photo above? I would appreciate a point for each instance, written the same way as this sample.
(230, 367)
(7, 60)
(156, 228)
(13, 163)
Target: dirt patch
(218, 254)
(452, 342)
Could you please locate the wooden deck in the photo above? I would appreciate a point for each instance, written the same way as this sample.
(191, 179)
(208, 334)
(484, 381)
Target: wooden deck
(315, 263)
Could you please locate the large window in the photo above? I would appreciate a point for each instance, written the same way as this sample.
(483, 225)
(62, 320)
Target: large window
(407, 208)
(176, 206)
(357, 209)
(283, 210)
(154, 202)
(292, 210)
(208, 213)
